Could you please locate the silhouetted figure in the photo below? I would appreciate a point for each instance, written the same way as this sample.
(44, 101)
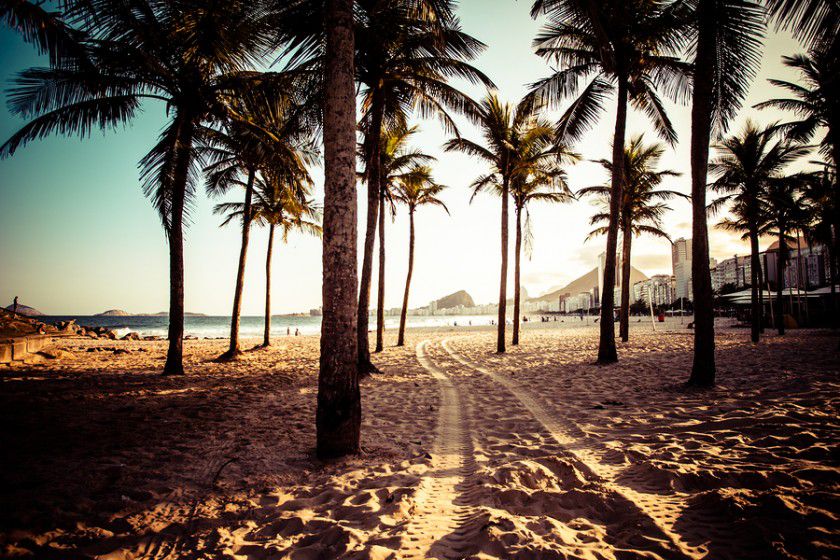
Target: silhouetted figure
(288, 331)
(297, 332)
(14, 308)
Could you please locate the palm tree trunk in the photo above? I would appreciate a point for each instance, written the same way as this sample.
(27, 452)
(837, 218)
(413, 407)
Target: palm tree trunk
(401, 334)
(761, 283)
(373, 187)
(516, 275)
(780, 285)
(755, 274)
(339, 413)
(500, 332)
(703, 365)
(799, 308)
(624, 313)
(182, 157)
(607, 353)
(780, 282)
(234, 350)
(267, 322)
(380, 288)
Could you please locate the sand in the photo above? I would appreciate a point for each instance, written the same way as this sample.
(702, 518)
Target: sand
(534, 454)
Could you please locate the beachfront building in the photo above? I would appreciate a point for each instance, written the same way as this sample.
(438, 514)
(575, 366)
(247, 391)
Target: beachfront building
(681, 263)
(657, 288)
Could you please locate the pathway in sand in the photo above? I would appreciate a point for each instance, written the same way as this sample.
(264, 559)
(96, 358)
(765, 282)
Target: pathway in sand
(441, 527)
(443, 520)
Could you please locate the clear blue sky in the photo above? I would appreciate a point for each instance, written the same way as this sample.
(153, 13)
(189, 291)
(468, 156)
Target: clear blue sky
(77, 236)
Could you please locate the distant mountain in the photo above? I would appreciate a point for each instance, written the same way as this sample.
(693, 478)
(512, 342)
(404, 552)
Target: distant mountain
(585, 284)
(460, 297)
(25, 310)
(113, 313)
(166, 314)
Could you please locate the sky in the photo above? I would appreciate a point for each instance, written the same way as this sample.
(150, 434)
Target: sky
(77, 235)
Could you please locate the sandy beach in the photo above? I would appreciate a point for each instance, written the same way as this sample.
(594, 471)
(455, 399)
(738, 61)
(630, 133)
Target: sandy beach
(467, 454)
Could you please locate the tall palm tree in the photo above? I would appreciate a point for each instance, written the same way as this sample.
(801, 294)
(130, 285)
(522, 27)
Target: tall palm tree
(395, 159)
(189, 55)
(406, 53)
(267, 132)
(783, 210)
(745, 167)
(281, 202)
(629, 47)
(537, 176)
(415, 188)
(642, 208)
(339, 413)
(504, 128)
(726, 56)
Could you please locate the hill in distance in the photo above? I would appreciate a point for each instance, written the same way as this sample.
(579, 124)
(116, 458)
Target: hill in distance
(460, 297)
(585, 283)
(24, 310)
(113, 313)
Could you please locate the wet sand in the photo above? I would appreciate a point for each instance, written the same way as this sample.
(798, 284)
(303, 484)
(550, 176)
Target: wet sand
(537, 453)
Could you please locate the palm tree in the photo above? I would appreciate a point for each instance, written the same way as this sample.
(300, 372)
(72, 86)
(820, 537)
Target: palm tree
(504, 128)
(821, 199)
(783, 210)
(631, 45)
(817, 22)
(642, 208)
(268, 133)
(814, 99)
(406, 52)
(339, 413)
(745, 166)
(47, 31)
(726, 56)
(395, 159)
(415, 188)
(190, 56)
(537, 176)
(281, 202)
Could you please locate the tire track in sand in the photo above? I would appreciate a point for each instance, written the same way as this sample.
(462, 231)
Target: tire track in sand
(663, 511)
(443, 522)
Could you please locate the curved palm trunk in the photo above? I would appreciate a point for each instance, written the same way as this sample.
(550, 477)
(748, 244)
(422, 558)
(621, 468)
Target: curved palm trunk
(339, 413)
(373, 188)
(380, 288)
(500, 332)
(780, 281)
(624, 313)
(607, 353)
(516, 270)
(267, 322)
(703, 365)
(175, 354)
(755, 277)
(404, 311)
(234, 350)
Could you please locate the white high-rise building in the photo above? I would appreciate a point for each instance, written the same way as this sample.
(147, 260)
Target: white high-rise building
(681, 261)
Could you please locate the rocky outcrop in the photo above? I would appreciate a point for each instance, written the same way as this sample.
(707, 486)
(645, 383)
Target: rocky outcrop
(113, 313)
(460, 297)
(24, 310)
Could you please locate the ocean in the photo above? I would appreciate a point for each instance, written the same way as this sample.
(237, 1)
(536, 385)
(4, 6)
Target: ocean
(250, 326)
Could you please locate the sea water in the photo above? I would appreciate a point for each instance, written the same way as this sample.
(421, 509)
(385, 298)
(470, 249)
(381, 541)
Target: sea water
(251, 326)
